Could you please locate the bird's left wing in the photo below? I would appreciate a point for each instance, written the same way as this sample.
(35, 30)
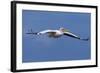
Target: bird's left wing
(74, 36)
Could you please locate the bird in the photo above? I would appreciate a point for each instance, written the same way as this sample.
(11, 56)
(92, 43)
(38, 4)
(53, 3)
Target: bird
(57, 33)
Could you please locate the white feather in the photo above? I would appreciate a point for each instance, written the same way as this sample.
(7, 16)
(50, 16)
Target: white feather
(46, 31)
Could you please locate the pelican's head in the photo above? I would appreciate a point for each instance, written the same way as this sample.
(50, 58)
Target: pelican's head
(62, 29)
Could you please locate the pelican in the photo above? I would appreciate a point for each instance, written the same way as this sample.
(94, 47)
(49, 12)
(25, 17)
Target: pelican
(57, 33)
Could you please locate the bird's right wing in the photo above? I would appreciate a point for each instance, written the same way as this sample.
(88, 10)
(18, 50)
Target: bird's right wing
(74, 36)
(71, 35)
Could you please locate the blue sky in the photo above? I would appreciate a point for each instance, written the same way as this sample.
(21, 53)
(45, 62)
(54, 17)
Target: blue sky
(42, 48)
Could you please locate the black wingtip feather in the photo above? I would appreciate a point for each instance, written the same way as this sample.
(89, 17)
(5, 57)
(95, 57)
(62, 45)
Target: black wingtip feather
(85, 39)
(32, 33)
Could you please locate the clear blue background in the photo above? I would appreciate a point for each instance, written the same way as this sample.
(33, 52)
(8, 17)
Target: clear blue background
(42, 48)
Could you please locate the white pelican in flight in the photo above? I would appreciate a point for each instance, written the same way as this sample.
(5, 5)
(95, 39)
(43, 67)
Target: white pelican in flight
(57, 33)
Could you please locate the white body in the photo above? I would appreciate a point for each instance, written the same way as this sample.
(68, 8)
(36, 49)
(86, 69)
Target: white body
(54, 33)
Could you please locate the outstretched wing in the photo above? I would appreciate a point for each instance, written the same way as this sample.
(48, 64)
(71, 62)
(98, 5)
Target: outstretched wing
(41, 32)
(74, 36)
